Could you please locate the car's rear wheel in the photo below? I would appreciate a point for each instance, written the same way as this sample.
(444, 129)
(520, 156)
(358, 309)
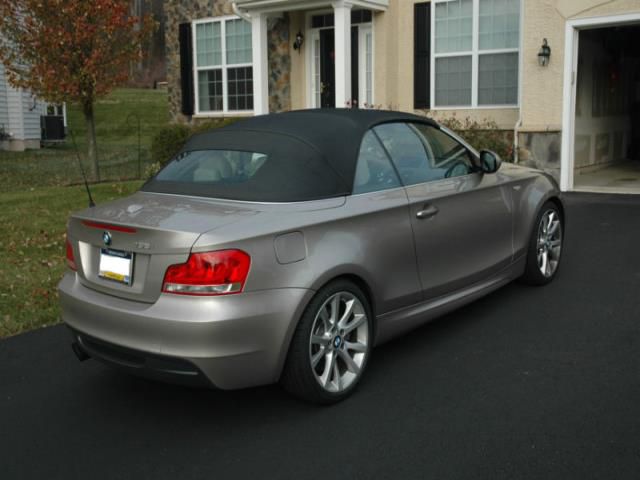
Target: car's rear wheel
(331, 345)
(545, 246)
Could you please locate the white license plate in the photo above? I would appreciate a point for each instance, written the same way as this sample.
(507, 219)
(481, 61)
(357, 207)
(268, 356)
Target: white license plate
(116, 265)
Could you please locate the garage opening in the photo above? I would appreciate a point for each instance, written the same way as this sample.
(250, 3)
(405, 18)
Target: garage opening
(607, 115)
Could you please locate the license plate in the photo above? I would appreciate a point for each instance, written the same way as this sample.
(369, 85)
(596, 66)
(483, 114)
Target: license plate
(116, 265)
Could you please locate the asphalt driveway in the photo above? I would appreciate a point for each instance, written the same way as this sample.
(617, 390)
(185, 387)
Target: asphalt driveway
(526, 383)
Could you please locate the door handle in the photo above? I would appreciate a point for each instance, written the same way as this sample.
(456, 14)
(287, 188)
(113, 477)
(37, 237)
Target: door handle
(427, 212)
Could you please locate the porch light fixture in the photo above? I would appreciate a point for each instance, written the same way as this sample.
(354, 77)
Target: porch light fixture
(544, 54)
(297, 44)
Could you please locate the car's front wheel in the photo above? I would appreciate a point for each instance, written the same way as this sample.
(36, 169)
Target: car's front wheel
(331, 345)
(545, 246)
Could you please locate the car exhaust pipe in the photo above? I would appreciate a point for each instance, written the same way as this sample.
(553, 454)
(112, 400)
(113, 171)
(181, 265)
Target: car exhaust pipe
(80, 353)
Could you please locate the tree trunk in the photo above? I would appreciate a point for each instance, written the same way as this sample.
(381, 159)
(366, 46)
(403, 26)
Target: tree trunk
(92, 147)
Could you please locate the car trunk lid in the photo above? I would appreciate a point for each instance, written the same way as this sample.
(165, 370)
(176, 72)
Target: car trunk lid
(153, 230)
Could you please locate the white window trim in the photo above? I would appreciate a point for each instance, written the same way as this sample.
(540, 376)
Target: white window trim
(225, 112)
(475, 53)
(363, 30)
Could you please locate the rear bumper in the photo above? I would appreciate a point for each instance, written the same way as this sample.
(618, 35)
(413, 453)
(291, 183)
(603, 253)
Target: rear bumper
(232, 341)
(136, 362)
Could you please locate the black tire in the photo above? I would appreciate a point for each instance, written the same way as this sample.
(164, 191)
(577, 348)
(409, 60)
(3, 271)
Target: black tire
(298, 377)
(533, 274)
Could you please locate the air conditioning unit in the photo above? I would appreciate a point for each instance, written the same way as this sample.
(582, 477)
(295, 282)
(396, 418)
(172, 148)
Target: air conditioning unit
(52, 128)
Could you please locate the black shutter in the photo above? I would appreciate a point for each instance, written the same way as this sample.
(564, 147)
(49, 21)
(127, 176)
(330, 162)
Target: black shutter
(422, 56)
(355, 69)
(186, 68)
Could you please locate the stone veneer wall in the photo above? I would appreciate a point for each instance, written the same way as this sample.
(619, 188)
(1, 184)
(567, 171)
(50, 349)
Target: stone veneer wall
(540, 150)
(181, 11)
(279, 64)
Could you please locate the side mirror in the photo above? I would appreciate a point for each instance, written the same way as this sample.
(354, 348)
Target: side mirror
(489, 161)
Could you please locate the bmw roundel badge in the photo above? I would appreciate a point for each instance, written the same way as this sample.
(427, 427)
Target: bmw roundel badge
(106, 238)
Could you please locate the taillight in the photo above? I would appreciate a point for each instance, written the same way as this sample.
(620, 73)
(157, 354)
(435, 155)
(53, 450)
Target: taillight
(209, 273)
(71, 261)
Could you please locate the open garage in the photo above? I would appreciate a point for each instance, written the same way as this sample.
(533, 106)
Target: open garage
(607, 110)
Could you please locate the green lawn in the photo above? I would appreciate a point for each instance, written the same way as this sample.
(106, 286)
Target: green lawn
(36, 199)
(32, 250)
(117, 133)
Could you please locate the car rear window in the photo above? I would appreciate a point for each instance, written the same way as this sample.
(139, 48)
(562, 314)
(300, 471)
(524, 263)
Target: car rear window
(279, 170)
(215, 167)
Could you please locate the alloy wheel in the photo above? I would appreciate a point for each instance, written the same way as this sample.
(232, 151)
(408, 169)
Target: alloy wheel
(549, 245)
(339, 342)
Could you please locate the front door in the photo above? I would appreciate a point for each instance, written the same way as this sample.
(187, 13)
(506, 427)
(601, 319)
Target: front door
(323, 67)
(462, 220)
(327, 69)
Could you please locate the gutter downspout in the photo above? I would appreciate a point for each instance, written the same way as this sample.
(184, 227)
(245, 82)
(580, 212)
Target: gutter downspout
(240, 13)
(516, 147)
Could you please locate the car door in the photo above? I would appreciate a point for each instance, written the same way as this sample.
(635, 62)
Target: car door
(461, 218)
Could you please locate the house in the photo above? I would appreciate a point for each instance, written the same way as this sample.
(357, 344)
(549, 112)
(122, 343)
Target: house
(563, 76)
(26, 121)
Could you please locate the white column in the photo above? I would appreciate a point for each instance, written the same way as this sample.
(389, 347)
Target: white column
(342, 16)
(260, 63)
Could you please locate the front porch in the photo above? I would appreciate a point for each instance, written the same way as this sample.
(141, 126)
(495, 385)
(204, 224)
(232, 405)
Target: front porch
(334, 39)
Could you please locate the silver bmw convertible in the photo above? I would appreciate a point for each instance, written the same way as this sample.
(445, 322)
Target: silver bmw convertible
(283, 248)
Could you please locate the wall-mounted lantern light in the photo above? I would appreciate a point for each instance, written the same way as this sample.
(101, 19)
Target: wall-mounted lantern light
(297, 44)
(544, 54)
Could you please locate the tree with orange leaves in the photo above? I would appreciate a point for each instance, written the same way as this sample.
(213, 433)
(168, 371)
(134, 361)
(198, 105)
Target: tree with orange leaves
(72, 51)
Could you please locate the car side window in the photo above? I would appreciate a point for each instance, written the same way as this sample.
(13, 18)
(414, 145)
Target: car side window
(407, 152)
(374, 171)
(447, 157)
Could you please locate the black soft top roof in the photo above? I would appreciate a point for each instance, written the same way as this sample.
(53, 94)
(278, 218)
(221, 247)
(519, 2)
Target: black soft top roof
(334, 134)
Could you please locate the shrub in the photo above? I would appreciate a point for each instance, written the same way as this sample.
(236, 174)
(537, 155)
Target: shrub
(213, 123)
(483, 135)
(151, 169)
(168, 141)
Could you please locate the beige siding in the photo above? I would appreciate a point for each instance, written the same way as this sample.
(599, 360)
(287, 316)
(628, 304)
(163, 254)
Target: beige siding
(299, 81)
(542, 87)
(394, 40)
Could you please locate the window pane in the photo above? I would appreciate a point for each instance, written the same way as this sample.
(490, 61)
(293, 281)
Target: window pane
(210, 90)
(374, 171)
(447, 157)
(498, 79)
(453, 81)
(238, 38)
(406, 150)
(208, 44)
(213, 166)
(454, 26)
(499, 24)
(240, 88)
